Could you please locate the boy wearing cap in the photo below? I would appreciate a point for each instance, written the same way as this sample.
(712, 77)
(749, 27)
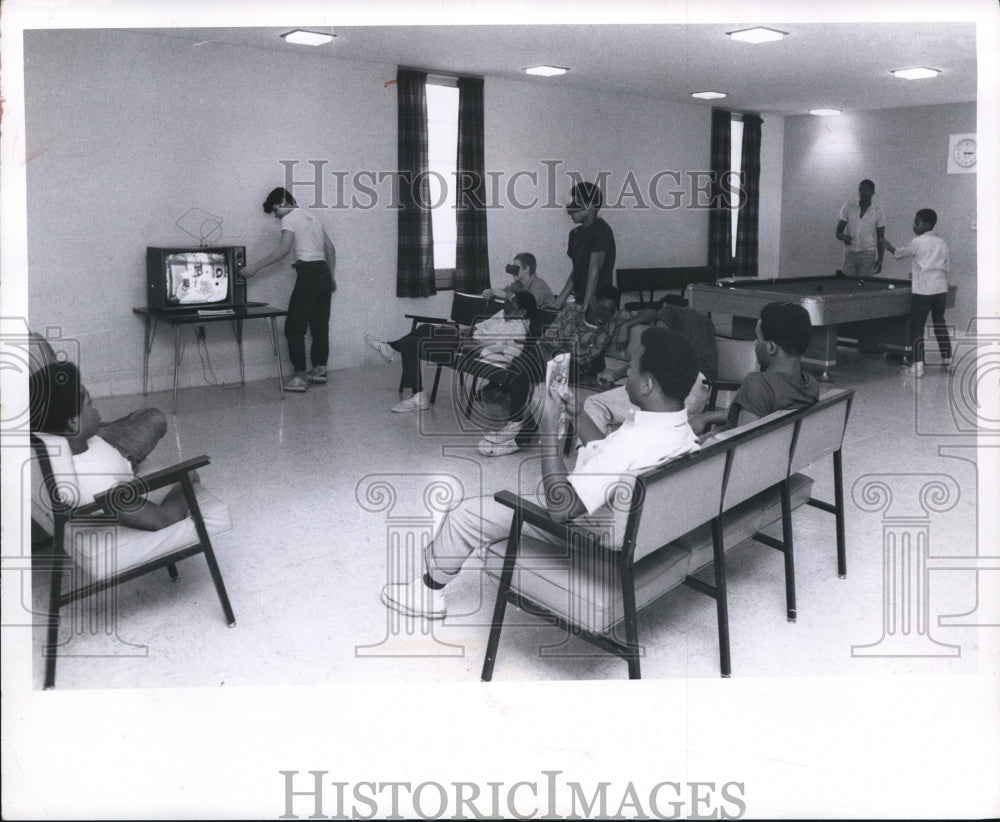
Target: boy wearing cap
(591, 247)
(782, 337)
(522, 269)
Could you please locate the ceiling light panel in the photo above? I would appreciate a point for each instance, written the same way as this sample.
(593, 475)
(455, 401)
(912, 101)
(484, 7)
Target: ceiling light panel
(546, 71)
(308, 38)
(757, 35)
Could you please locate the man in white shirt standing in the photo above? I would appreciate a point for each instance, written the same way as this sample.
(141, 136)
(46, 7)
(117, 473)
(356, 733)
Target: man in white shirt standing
(929, 267)
(309, 305)
(862, 231)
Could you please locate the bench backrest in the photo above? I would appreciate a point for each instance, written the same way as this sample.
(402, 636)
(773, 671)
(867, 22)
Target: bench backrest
(647, 281)
(821, 433)
(677, 499)
(689, 491)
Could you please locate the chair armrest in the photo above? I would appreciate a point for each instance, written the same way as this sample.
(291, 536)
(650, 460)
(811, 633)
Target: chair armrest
(150, 482)
(532, 514)
(420, 318)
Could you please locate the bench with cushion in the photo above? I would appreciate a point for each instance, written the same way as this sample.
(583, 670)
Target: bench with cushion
(672, 523)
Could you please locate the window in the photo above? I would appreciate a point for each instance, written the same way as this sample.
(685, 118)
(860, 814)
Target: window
(735, 165)
(442, 151)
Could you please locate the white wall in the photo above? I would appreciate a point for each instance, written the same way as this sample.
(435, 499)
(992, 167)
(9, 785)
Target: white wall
(905, 152)
(129, 130)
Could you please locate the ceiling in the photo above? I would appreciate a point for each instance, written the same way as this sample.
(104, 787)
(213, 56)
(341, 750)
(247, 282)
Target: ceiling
(818, 65)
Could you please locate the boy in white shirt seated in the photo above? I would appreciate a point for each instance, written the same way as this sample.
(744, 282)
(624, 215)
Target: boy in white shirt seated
(60, 405)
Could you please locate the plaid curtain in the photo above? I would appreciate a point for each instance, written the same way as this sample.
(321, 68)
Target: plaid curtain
(745, 261)
(720, 236)
(472, 265)
(415, 238)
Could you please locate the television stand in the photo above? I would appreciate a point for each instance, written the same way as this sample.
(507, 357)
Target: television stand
(236, 316)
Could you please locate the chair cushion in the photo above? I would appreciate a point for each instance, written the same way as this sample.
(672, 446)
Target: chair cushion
(101, 551)
(583, 587)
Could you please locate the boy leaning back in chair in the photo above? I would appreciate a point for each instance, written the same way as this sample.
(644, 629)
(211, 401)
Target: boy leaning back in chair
(61, 406)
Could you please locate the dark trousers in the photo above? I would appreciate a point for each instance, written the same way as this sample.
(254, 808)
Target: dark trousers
(920, 306)
(434, 343)
(309, 309)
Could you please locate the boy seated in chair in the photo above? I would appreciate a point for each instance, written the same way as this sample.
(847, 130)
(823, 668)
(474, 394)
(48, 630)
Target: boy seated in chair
(61, 406)
(782, 337)
(135, 435)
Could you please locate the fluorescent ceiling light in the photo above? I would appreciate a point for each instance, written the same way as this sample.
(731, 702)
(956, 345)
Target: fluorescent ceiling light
(308, 38)
(916, 73)
(757, 35)
(546, 71)
(709, 95)
(824, 112)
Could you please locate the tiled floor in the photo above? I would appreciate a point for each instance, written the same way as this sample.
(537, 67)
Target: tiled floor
(320, 484)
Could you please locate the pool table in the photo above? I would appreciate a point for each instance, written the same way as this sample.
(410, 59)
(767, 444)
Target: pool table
(872, 311)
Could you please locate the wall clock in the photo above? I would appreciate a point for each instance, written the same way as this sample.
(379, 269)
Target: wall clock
(962, 154)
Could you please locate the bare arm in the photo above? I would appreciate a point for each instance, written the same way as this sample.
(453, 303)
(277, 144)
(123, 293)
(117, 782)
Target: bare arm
(844, 238)
(561, 498)
(148, 516)
(331, 257)
(561, 297)
(596, 261)
(880, 242)
(284, 246)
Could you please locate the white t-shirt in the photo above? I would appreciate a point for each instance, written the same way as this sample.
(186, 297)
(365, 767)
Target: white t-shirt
(646, 440)
(309, 235)
(930, 264)
(98, 468)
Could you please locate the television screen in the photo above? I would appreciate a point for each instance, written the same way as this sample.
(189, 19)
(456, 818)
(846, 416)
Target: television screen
(196, 277)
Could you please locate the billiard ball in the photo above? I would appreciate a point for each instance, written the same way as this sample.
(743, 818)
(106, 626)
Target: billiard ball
(819, 288)
(891, 286)
(861, 282)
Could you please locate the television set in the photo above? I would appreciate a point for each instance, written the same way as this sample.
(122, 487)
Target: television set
(195, 278)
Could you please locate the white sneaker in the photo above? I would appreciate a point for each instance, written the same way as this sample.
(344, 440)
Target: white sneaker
(508, 432)
(297, 384)
(415, 599)
(916, 370)
(318, 374)
(418, 402)
(387, 352)
(498, 449)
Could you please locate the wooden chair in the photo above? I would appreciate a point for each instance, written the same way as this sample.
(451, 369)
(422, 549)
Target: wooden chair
(466, 309)
(737, 358)
(87, 541)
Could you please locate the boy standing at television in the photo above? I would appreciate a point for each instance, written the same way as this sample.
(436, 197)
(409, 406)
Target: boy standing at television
(309, 306)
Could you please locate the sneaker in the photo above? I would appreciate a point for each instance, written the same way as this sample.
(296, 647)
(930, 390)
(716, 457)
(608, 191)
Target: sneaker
(916, 370)
(508, 432)
(948, 363)
(498, 449)
(318, 374)
(418, 402)
(387, 352)
(414, 599)
(297, 384)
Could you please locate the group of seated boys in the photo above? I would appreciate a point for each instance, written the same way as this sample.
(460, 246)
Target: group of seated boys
(652, 418)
